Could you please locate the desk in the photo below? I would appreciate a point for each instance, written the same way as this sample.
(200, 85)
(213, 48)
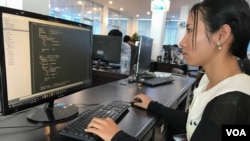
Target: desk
(137, 122)
(103, 76)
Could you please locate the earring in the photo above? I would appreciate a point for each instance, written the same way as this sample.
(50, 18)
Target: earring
(219, 45)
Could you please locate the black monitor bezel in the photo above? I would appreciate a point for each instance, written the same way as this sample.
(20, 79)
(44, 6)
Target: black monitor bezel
(112, 50)
(5, 109)
(144, 54)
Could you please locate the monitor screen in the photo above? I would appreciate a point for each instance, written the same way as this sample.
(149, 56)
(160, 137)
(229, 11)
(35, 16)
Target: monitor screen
(144, 54)
(107, 48)
(42, 59)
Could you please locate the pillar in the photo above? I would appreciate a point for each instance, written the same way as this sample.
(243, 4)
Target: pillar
(159, 10)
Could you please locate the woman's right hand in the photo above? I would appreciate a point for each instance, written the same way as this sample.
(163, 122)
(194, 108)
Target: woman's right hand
(145, 100)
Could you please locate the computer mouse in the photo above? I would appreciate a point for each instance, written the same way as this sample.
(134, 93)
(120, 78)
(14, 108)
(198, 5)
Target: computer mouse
(137, 100)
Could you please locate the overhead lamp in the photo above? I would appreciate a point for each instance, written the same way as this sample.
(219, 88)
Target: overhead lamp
(79, 2)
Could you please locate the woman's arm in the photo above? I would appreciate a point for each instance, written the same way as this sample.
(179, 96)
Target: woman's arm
(176, 118)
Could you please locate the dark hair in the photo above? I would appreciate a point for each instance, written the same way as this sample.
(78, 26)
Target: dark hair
(126, 38)
(115, 32)
(244, 65)
(235, 13)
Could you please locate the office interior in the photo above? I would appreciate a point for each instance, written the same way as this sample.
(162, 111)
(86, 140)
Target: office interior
(113, 85)
(103, 18)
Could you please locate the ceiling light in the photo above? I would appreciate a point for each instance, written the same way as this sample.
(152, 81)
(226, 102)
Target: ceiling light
(137, 15)
(79, 2)
(57, 9)
(121, 9)
(148, 13)
(110, 2)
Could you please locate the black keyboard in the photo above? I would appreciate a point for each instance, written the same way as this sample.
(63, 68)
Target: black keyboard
(157, 81)
(112, 109)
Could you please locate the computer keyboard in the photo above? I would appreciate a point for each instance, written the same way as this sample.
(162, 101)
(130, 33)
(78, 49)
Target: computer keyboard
(156, 81)
(112, 109)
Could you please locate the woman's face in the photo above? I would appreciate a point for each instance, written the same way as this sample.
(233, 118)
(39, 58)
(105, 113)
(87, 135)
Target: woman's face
(203, 50)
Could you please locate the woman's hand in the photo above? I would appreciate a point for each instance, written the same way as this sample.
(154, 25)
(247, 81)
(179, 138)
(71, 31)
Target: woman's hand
(105, 128)
(145, 100)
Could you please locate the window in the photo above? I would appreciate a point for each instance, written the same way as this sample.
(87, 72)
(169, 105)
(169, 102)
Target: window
(144, 26)
(113, 19)
(171, 29)
(82, 11)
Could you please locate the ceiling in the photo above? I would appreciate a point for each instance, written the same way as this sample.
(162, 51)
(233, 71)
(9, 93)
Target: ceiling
(141, 7)
(131, 8)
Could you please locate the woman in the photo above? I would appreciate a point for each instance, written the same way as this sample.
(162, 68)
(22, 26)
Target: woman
(217, 36)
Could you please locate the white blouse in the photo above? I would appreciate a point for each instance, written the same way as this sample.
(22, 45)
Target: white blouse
(201, 98)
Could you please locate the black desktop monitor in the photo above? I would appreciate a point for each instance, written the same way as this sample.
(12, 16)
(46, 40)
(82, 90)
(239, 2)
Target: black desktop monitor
(107, 48)
(42, 59)
(144, 54)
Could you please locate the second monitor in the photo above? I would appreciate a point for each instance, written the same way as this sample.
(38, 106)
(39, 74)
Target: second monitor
(144, 54)
(107, 49)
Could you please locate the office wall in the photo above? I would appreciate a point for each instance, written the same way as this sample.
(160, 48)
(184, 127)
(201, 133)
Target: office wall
(37, 6)
(18, 4)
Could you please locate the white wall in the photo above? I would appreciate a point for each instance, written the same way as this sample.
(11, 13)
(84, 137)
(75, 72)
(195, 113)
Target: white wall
(17, 4)
(37, 6)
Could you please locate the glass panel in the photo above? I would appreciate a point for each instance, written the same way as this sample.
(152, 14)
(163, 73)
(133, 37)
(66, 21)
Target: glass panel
(113, 19)
(144, 27)
(97, 27)
(66, 9)
(124, 26)
(171, 32)
(97, 14)
(87, 10)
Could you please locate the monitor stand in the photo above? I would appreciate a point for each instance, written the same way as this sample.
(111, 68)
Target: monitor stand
(52, 113)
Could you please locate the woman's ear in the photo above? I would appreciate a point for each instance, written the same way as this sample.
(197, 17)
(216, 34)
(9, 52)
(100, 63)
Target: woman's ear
(225, 34)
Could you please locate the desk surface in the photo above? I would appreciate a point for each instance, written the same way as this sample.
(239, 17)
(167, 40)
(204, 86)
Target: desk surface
(136, 122)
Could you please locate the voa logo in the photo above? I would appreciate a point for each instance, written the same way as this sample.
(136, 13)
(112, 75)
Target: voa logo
(236, 132)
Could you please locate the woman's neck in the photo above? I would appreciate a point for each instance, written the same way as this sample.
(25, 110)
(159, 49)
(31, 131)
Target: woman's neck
(220, 71)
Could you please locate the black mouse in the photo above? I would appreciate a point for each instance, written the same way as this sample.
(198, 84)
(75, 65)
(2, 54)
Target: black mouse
(137, 100)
